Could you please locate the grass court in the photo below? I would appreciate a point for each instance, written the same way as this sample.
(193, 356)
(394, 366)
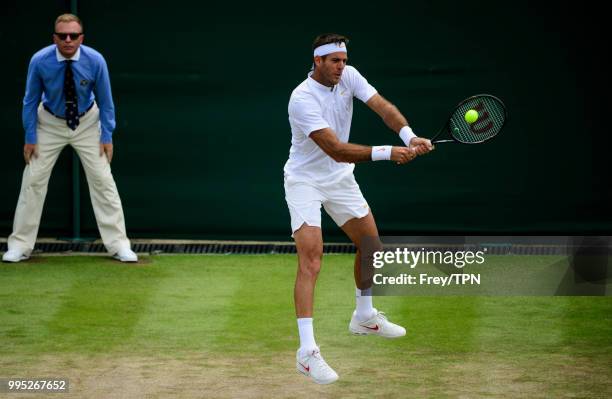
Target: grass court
(224, 327)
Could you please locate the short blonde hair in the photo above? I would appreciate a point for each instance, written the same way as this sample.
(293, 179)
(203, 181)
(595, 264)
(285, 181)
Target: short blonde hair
(68, 18)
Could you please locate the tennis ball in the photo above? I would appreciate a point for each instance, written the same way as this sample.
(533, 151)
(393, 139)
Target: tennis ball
(471, 116)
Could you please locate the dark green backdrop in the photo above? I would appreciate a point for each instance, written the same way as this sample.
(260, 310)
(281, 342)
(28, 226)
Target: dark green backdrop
(201, 94)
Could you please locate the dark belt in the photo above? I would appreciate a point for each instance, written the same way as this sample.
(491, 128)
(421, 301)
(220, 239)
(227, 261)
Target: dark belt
(61, 117)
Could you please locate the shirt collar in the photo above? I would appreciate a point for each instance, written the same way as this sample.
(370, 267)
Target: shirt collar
(61, 58)
(318, 85)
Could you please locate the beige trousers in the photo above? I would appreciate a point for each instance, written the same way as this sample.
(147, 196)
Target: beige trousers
(53, 135)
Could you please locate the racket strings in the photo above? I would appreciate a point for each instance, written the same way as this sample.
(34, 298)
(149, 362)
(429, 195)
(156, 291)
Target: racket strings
(491, 119)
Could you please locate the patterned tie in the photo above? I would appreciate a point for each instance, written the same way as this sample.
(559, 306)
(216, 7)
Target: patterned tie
(72, 109)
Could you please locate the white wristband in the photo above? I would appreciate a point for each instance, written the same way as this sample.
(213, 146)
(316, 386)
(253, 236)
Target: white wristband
(406, 134)
(381, 153)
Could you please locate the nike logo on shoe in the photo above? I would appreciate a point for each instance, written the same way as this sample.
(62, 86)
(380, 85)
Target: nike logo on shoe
(377, 325)
(305, 368)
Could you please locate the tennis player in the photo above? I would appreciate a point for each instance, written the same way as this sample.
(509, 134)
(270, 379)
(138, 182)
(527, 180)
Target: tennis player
(320, 172)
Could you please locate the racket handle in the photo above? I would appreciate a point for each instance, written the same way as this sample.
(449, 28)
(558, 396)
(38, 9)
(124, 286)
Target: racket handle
(441, 141)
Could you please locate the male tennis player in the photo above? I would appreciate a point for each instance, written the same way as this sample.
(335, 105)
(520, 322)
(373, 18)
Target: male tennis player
(320, 172)
(59, 109)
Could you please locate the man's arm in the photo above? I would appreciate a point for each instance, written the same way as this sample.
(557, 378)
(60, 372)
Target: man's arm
(104, 99)
(29, 114)
(394, 119)
(353, 153)
(389, 113)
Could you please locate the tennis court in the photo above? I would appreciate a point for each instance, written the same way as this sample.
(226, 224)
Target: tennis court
(201, 129)
(223, 326)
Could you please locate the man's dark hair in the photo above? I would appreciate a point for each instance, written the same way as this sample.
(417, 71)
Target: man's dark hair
(326, 38)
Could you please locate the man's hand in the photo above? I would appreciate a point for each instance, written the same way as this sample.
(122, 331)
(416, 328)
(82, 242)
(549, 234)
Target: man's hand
(108, 150)
(401, 155)
(29, 151)
(420, 145)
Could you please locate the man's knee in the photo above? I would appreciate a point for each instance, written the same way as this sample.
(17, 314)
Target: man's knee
(36, 179)
(367, 246)
(101, 178)
(365, 262)
(310, 261)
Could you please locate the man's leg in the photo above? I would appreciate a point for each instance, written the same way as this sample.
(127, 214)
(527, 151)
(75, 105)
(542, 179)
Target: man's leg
(366, 319)
(309, 243)
(52, 139)
(304, 202)
(102, 188)
(363, 233)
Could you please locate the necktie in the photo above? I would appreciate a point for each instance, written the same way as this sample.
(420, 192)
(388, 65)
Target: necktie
(70, 95)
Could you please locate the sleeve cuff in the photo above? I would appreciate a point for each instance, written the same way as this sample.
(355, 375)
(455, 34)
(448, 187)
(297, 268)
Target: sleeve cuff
(315, 128)
(106, 138)
(30, 138)
(369, 94)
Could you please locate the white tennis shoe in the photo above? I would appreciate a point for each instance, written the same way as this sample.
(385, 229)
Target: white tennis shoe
(125, 254)
(377, 325)
(314, 366)
(14, 256)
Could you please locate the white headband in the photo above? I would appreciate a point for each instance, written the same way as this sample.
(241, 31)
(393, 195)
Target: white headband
(330, 48)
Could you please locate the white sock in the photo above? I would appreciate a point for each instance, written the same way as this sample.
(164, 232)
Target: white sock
(307, 341)
(364, 308)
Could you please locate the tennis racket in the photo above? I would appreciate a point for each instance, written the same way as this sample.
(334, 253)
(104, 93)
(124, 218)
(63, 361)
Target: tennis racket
(492, 117)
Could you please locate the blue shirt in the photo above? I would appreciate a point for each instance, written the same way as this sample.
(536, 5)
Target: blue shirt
(46, 82)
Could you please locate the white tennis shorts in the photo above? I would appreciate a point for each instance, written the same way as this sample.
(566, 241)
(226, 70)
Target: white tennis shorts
(342, 201)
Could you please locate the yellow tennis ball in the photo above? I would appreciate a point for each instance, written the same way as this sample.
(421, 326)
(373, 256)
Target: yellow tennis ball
(471, 116)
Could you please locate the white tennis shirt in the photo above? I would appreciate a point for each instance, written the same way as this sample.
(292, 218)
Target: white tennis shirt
(312, 107)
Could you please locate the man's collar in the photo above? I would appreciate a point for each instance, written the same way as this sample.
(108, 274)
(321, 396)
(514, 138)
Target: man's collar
(61, 58)
(318, 85)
